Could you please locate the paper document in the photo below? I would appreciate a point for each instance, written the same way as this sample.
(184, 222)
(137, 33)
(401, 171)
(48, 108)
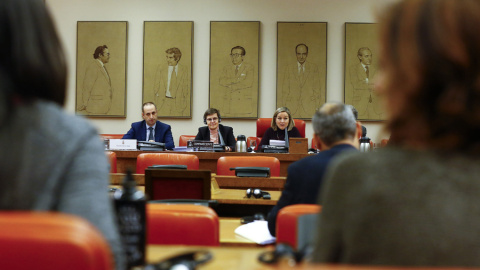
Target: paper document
(277, 142)
(257, 232)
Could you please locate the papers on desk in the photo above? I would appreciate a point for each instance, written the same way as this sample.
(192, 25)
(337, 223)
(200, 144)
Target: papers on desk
(182, 149)
(257, 232)
(277, 142)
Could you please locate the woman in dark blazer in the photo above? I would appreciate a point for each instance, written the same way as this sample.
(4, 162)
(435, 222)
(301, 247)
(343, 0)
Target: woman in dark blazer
(216, 132)
(282, 119)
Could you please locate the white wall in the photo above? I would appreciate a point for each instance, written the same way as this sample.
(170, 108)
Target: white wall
(268, 12)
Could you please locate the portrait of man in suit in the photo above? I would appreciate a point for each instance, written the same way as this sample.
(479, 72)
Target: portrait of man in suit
(361, 75)
(234, 65)
(301, 67)
(360, 69)
(97, 85)
(101, 84)
(172, 85)
(300, 85)
(238, 81)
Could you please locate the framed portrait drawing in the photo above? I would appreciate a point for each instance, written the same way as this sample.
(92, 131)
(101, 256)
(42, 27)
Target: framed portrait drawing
(301, 67)
(361, 55)
(234, 54)
(101, 69)
(167, 67)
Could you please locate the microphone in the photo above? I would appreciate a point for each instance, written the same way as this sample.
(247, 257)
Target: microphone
(286, 138)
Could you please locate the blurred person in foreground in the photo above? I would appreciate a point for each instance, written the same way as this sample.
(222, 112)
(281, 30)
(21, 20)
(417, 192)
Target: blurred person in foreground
(49, 160)
(416, 203)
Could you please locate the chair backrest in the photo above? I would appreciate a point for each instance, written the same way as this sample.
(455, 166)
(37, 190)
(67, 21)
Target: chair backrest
(383, 142)
(111, 136)
(225, 163)
(184, 139)
(46, 240)
(166, 184)
(182, 224)
(287, 221)
(148, 159)
(112, 158)
(300, 124)
(264, 123)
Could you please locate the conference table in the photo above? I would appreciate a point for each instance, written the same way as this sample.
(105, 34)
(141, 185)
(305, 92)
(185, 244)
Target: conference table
(208, 160)
(243, 258)
(223, 181)
(232, 202)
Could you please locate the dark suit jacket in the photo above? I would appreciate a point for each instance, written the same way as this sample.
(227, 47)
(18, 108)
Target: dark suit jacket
(304, 180)
(163, 133)
(227, 135)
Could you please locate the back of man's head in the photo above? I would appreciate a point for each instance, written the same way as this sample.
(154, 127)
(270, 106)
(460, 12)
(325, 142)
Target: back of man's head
(334, 122)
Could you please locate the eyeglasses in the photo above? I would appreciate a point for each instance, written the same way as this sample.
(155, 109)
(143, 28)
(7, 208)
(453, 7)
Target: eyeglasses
(235, 55)
(212, 119)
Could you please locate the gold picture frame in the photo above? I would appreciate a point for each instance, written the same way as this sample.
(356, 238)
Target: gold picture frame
(361, 55)
(234, 61)
(167, 67)
(301, 67)
(101, 76)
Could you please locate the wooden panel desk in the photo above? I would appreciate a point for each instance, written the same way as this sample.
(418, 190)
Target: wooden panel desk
(208, 160)
(243, 258)
(224, 258)
(238, 196)
(270, 183)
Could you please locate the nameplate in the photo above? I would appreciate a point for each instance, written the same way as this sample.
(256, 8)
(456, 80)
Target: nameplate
(122, 144)
(200, 145)
(298, 145)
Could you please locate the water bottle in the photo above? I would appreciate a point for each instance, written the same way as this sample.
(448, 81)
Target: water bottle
(241, 145)
(130, 208)
(365, 144)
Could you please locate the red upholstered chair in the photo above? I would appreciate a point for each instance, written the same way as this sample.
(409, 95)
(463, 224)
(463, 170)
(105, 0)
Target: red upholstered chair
(111, 136)
(149, 159)
(47, 240)
(225, 163)
(184, 139)
(383, 142)
(112, 157)
(182, 224)
(287, 221)
(264, 123)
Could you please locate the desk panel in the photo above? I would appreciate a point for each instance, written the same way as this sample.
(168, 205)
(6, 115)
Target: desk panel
(208, 160)
(269, 183)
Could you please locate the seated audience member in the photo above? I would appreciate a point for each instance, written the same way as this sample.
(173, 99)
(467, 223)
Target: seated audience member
(49, 160)
(337, 131)
(216, 132)
(150, 129)
(416, 202)
(282, 119)
(355, 113)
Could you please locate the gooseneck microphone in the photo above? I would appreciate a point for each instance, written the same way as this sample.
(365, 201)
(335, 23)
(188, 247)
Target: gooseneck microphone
(286, 137)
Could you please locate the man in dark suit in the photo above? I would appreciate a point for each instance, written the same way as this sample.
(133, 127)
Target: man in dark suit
(150, 129)
(337, 131)
(216, 132)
